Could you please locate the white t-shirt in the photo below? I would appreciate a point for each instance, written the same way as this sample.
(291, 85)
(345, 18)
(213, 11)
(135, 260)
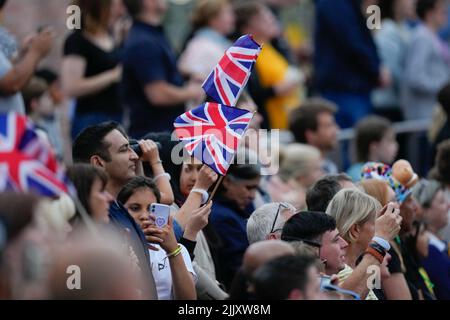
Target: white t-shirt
(162, 273)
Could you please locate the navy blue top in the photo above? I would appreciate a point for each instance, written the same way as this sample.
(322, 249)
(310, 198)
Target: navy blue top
(230, 223)
(437, 265)
(346, 57)
(148, 57)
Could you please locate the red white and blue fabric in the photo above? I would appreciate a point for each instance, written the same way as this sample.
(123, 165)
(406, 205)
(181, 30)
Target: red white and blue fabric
(227, 81)
(27, 161)
(212, 133)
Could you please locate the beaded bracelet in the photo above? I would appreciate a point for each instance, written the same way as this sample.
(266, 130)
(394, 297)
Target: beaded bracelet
(175, 253)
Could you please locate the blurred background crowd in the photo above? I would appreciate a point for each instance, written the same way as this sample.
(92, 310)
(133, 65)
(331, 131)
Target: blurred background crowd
(350, 99)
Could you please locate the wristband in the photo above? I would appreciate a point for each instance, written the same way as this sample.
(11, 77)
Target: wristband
(161, 176)
(204, 193)
(175, 253)
(385, 244)
(378, 248)
(374, 253)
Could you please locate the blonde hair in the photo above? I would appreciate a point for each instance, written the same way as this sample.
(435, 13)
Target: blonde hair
(295, 160)
(377, 189)
(352, 207)
(205, 10)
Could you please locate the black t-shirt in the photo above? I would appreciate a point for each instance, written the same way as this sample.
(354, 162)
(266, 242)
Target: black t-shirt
(402, 261)
(97, 62)
(413, 277)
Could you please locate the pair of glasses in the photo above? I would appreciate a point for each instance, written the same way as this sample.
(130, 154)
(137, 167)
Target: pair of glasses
(281, 205)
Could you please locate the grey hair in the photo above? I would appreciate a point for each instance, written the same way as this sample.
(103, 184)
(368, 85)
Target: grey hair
(261, 220)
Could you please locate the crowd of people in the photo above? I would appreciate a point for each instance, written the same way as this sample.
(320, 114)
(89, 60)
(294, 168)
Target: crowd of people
(307, 231)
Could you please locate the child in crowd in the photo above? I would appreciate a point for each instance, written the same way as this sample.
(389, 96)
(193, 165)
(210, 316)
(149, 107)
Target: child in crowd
(171, 264)
(375, 141)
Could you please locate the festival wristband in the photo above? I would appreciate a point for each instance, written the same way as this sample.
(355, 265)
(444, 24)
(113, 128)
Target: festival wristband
(385, 244)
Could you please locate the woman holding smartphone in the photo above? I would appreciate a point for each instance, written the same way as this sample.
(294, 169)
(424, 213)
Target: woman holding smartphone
(171, 264)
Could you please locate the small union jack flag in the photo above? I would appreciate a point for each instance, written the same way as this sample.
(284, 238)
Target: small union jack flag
(212, 132)
(225, 83)
(27, 161)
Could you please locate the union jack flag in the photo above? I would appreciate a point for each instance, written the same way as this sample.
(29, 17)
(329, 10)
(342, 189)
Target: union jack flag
(229, 77)
(27, 161)
(212, 132)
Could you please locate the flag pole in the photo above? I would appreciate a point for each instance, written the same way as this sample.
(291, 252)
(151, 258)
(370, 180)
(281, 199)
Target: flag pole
(220, 180)
(216, 187)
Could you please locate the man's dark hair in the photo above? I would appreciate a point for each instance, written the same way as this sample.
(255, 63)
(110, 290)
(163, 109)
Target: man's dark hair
(134, 7)
(387, 9)
(135, 184)
(91, 142)
(425, 6)
(369, 130)
(320, 194)
(306, 116)
(2, 3)
(276, 279)
(307, 226)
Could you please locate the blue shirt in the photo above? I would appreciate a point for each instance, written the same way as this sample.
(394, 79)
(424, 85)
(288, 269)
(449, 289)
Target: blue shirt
(148, 57)
(437, 266)
(346, 58)
(10, 103)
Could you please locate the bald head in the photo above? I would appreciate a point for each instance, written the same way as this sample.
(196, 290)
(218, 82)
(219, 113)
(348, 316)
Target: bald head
(262, 252)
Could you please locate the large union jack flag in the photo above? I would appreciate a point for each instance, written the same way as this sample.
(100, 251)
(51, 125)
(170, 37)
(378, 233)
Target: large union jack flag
(212, 132)
(27, 161)
(226, 82)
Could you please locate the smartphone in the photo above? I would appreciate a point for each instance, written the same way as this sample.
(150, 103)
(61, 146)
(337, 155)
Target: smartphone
(161, 212)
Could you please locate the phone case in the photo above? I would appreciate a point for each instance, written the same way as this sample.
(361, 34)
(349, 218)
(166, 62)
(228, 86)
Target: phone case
(161, 213)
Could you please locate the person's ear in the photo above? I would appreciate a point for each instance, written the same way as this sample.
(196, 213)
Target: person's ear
(354, 232)
(97, 161)
(295, 294)
(272, 236)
